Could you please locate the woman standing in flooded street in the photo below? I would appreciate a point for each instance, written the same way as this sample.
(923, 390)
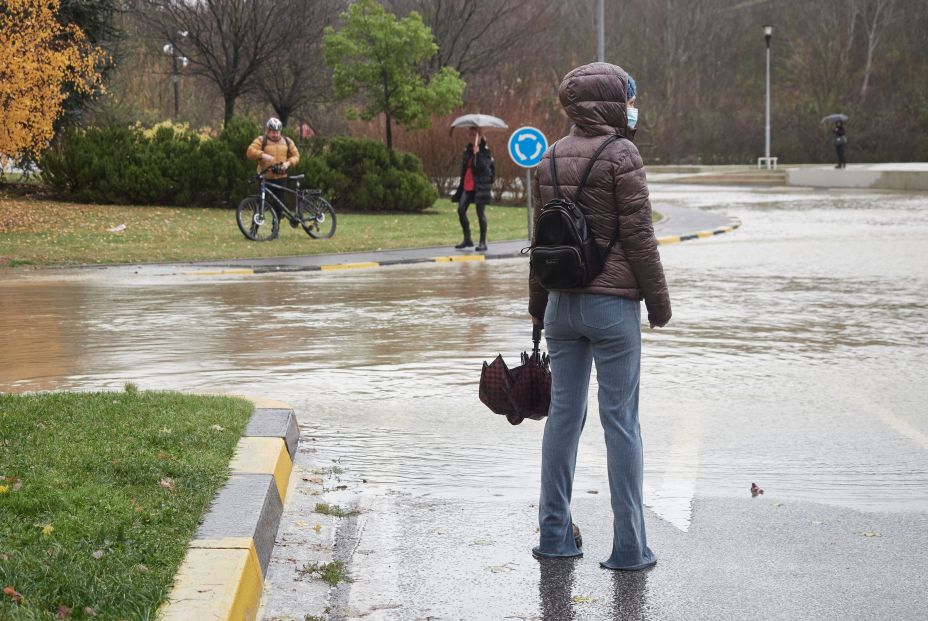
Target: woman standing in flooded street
(600, 322)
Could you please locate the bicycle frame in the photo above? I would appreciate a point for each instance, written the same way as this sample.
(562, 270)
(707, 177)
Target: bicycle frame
(268, 196)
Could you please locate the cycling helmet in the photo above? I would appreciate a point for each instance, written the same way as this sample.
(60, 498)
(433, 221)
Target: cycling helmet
(274, 124)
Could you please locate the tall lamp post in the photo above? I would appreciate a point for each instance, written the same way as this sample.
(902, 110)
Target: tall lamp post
(768, 162)
(171, 49)
(600, 31)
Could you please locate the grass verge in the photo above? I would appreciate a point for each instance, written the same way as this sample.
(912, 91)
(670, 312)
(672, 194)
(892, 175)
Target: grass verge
(40, 232)
(100, 494)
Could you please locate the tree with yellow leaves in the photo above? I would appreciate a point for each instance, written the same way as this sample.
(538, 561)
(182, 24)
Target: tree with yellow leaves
(39, 57)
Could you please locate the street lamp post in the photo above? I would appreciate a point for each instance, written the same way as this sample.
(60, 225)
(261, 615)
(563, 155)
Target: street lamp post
(171, 48)
(768, 162)
(600, 31)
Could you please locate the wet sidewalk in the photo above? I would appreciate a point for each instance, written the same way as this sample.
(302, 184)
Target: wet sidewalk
(678, 224)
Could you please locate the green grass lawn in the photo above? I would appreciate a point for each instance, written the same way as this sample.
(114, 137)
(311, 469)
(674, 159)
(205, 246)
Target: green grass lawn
(100, 494)
(42, 232)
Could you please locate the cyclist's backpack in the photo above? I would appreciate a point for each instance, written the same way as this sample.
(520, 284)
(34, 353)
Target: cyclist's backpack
(564, 254)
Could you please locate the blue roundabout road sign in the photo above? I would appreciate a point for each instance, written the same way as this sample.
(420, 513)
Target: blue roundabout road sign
(526, 146)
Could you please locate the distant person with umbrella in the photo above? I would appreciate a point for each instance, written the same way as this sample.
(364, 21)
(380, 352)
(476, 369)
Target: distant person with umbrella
(840, 143)
(840, 132)
(478, 171)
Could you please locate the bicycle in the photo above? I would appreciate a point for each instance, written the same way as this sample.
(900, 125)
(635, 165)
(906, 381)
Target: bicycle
(258, 217)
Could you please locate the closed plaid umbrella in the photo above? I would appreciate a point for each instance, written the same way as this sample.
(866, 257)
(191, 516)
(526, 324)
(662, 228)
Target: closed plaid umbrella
(522, 392)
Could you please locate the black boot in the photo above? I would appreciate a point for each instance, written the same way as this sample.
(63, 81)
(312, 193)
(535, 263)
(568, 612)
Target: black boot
(467, 243)
(482, 246)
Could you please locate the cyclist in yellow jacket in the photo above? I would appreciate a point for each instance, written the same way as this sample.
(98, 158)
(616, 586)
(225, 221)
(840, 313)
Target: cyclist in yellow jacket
(274, 149)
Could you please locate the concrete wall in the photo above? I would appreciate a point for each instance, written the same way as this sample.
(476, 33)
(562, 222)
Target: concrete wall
(912, 176)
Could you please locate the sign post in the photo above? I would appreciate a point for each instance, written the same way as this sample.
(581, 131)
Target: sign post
(526, 147)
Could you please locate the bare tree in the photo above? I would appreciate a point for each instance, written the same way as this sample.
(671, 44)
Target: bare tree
(476, 36)
(295, 75)
(226, 41)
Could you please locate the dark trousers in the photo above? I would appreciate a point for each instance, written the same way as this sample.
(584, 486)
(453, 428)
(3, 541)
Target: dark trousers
(842, 161)
(274, 187)
(466, 199)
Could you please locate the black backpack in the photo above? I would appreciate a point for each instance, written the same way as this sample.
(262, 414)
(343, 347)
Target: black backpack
(564, 254)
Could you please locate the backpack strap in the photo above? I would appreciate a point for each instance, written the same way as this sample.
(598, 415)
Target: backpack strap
(583, 180)
(586, 173)
(287, 141)
(589, 168)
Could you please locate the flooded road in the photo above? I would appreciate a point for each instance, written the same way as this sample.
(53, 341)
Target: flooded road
(796, 358)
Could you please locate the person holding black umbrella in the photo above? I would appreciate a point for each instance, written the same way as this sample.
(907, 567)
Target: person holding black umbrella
(840, 132)
(478, 171)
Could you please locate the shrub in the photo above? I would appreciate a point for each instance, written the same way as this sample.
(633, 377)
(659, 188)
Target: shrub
(165, 165)
(357, 174)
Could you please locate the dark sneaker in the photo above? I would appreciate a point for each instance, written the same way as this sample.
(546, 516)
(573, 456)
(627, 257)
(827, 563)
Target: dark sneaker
(481, 247)
(465, 244)
(578, 539)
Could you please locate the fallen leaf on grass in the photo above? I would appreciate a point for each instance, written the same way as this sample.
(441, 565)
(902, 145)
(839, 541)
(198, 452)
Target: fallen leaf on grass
(165, 430)
(141, 568)
(89, 611)
(13, 594)
(12, 484)
(48, 529)
(4, 489)
(97, 554)
(218, 428)
(167, 483)
(63, 612)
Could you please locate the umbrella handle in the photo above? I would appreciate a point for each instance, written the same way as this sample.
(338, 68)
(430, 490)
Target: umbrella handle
(536, 338)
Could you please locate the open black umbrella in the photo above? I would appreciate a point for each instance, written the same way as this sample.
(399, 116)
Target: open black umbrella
(522, 392)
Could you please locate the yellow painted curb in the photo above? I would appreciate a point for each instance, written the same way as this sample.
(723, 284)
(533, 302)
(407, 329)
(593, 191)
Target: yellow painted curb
(216, 584)
(260, 455)
(243, 270)
(673, 239)
(461, 259)
(705, 234)
(350, 266)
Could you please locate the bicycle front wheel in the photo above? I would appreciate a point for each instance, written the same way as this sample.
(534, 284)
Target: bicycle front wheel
(257, 221)
(318, 218)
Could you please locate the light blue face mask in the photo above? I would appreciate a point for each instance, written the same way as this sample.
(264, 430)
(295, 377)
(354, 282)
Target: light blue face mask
(632, 117)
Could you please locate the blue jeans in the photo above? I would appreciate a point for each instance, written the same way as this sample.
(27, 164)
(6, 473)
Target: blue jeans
(581, 329)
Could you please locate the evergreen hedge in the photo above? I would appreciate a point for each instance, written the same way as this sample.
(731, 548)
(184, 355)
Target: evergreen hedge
(172, 165)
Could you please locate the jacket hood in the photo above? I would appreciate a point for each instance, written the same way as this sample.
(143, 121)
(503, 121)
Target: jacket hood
(594, 98)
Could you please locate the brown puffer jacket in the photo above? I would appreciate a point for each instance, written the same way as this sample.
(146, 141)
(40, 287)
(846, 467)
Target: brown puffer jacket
(616, 192)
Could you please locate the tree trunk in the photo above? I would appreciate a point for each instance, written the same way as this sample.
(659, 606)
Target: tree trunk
(389, 133)
(230, 109)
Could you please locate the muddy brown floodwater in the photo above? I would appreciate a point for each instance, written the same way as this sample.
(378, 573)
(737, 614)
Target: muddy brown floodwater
(796, 357)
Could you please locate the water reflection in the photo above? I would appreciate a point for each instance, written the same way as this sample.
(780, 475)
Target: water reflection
(555, 589)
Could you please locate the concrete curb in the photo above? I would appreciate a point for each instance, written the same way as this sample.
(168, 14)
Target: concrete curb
(222, 575)
(733, 223)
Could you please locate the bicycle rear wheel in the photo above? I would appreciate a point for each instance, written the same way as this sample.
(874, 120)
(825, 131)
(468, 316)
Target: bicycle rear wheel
(317, 217)
(257, 221)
